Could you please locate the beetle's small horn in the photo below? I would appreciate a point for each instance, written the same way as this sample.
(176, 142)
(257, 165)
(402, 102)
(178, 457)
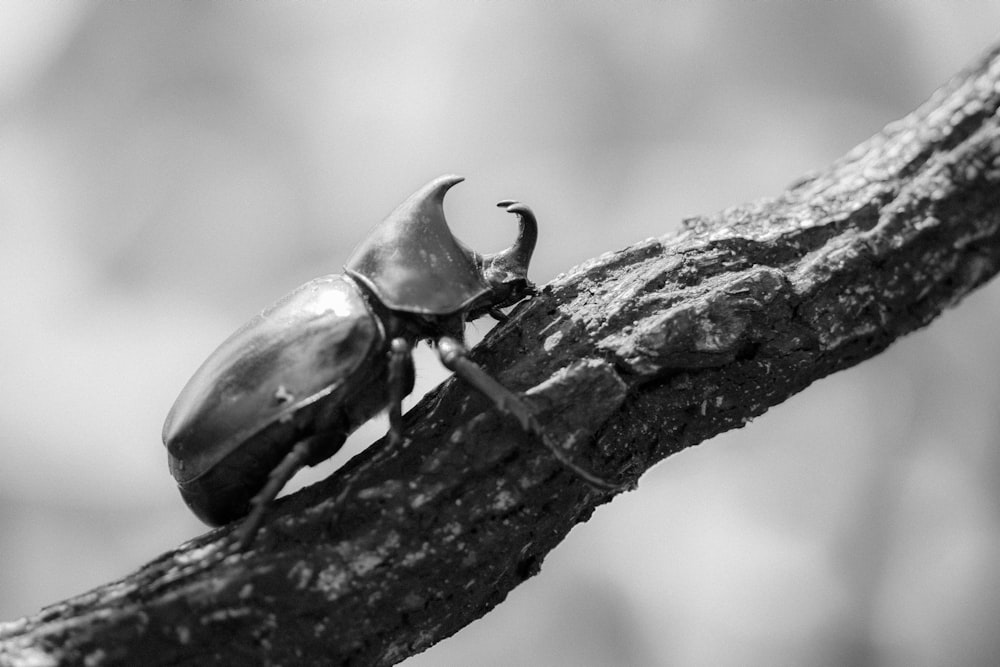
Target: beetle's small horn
(514, 260)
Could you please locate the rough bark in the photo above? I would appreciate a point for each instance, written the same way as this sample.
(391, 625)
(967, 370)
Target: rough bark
(628, 358)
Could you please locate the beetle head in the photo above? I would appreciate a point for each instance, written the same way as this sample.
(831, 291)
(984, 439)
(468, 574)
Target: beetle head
(506, 272)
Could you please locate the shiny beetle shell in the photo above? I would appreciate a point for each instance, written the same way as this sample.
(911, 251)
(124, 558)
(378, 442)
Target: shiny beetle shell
(283, 376)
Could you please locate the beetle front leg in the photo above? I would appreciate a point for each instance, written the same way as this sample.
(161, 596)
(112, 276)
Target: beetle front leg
(454, 355)
(455, 358)
(400, 366)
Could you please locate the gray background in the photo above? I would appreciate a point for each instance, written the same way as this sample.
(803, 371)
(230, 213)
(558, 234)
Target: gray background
(168, 169)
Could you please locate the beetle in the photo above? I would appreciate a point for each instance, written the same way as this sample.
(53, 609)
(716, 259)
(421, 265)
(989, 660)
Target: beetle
(286, 389)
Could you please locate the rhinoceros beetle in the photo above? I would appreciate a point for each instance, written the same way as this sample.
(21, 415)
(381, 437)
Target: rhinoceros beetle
(286, 389)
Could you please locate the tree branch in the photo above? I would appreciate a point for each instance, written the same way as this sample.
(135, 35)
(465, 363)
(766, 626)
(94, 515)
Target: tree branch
(628, 358)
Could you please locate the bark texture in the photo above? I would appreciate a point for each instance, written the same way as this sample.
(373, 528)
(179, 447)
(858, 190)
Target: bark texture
(628, 358)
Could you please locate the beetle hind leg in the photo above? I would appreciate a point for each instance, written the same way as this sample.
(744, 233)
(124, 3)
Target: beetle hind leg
(454, 355)
(299, 455)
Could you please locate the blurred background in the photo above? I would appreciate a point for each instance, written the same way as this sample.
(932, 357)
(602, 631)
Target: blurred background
(167, 169)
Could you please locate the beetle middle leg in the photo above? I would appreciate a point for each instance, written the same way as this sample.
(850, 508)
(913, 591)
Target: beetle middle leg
(400, 381)
(454, 355)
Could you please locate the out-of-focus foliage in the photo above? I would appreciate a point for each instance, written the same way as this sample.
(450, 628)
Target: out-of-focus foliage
(167, 169)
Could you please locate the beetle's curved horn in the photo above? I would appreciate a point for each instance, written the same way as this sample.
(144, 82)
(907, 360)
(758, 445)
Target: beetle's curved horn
(513, 262)
(412, 261)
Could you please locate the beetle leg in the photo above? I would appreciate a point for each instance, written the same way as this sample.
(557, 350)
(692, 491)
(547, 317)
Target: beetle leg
(454, 355)
(276, 480)
(399, 359)
(455, 358)
(498, 315)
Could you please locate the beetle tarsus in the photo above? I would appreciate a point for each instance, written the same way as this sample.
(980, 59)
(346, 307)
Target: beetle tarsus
(584, 474)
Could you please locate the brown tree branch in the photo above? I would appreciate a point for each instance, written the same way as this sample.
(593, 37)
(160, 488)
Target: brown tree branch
(629, 358)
